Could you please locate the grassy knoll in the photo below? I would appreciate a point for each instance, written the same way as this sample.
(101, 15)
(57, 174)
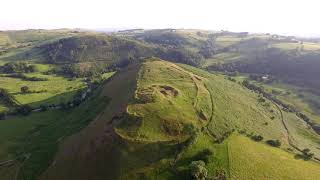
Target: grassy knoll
(171, 96)
(167, 99)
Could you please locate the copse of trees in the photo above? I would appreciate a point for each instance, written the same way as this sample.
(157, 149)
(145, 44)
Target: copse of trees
(7, 97)
(17, 67)
(181, 55)
(87, 70)
(25, 78)
(43, 107)
(24, 110)
(209, 49)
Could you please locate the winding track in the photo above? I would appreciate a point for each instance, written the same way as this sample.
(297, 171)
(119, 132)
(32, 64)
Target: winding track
(290, 142)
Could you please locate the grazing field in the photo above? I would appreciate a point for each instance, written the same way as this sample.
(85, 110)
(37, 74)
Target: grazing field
(223, 58)
(225, 41)
(307, 46)
(252, 160)
(54, 90)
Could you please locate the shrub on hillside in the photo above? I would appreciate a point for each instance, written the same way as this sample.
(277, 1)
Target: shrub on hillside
(43, 107)
(306, 154)
(257, 138)
(198, 170)
(24, 110)
(274, 143)
(231, 79)
(24, 89)
(219, 174)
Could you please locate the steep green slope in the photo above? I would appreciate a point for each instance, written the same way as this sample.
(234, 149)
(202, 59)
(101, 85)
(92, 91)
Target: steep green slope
(161, 116)
(86, 48)
(110, 49)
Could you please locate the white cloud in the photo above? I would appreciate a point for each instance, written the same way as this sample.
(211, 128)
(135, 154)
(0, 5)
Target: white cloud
(282, 16)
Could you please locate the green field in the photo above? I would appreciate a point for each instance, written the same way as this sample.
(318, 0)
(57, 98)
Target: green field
(53, 91)
(252, 160)
(32, 141)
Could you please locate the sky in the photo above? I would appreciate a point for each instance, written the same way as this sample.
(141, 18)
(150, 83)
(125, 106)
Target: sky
(291, 17)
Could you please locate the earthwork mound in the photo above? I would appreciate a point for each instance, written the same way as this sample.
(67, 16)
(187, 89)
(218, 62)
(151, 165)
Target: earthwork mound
(168, 91)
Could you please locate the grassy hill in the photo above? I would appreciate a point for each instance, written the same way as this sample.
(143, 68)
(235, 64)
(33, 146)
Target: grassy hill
(20, 45)
(86, 48)
(291, 60)
(168, 114)
(157, 119)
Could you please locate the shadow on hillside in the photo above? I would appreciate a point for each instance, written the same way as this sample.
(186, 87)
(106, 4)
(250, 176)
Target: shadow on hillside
(22, 54)
(56, 99)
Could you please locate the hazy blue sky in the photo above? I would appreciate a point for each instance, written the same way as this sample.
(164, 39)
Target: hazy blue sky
(299, 17)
